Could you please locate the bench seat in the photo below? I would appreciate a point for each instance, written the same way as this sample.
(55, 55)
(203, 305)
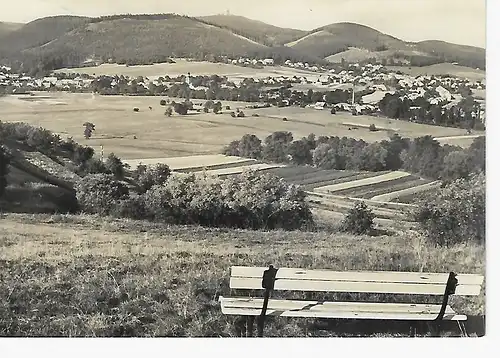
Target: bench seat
(247, 306)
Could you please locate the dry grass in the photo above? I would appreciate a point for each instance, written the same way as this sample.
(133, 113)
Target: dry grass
(91, 276)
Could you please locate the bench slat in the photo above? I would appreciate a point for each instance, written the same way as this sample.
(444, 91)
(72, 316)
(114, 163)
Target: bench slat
(384, 311)
(347, 286)
(279, 304)
(358, 276)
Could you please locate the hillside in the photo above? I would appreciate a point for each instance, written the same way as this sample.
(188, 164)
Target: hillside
(257, 30)
(66, 41)
(7, 27)
(335, 38)
(39, 32)
(355, 42)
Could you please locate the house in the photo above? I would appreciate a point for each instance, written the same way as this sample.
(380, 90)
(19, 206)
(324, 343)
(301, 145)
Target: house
(268, 62)
(320, 105)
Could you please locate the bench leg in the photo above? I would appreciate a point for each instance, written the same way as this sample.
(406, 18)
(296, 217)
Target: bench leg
(249, 325)
(463, 331)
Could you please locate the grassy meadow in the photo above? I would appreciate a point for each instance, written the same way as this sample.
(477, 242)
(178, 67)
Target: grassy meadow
(158, 136)
(91, 276)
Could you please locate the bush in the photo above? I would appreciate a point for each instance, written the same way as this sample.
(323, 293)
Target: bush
(359, 220)
(98, 193)
(147, 176)
(457, 213)
(163, 102)
(115, 166)
(93, 166)
(136, 109)
(131, 208)
(372, 128)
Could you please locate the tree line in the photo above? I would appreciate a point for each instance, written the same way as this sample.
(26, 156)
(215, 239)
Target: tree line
(423, 156)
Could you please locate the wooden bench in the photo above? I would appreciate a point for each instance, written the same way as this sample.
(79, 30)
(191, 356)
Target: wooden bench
(382, 282)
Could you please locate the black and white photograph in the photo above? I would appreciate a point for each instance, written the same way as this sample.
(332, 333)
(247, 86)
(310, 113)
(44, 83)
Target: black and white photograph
(243, 169)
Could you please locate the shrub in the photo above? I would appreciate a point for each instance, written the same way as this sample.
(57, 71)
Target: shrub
(263, 201)
(163, 102)
(132, 207)
(372, 128)
(457, 213)
(240, 114)
(359, 220)
(98, 193)
(147, 176)
(115, 166)
(136, 109)
(93, 166)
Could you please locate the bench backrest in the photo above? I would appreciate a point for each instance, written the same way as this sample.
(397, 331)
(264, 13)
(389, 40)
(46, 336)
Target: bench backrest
(295, 279)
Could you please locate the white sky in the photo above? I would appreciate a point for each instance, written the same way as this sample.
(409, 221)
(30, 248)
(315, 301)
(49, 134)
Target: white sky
(457, 21)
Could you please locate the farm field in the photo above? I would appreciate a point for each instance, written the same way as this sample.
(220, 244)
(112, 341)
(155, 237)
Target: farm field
(196, 68)
(157, 136)
(154, 280)
(442, 69)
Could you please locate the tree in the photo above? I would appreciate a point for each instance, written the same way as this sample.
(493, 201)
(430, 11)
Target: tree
(89, 129)
(4, 170)
(359, 220)
(168, 111)
(276, 147)
(250, 146)
(300, 151)
(217, 107)
(180, 108)
(115, 166)
(424, 156)
(232, 149)
(373, 158)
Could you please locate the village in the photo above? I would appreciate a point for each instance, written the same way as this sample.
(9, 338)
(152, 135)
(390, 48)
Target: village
(366, 84)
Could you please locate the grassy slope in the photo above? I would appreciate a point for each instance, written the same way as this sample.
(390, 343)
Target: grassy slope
(256, 29)
(88, 276)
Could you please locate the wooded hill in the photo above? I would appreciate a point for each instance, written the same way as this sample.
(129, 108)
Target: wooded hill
(69, 40)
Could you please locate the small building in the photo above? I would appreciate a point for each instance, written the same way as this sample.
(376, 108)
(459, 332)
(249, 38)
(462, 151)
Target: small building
(320, 105)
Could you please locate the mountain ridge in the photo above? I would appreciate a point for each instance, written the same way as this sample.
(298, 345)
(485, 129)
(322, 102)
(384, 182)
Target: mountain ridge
(154, 37)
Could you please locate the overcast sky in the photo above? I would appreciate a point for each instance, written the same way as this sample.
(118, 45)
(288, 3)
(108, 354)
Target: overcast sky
(457, 21)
